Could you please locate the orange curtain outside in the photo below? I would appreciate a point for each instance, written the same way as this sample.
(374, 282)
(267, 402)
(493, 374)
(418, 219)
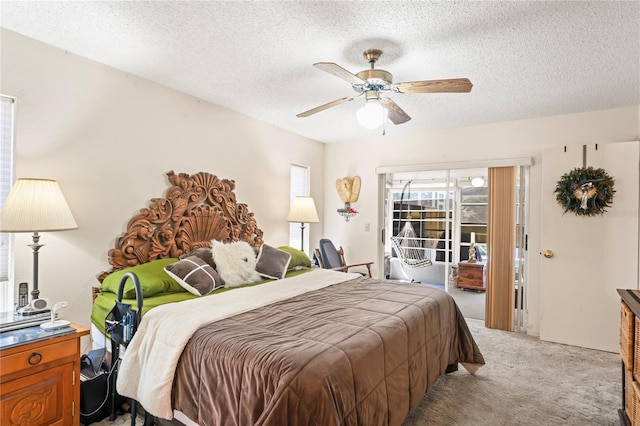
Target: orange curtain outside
(500, 302)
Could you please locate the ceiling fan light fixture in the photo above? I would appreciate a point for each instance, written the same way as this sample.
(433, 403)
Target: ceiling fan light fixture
(372, 114)
(477, 182)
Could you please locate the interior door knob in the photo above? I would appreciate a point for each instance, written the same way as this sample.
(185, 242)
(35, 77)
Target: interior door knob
(548, 254)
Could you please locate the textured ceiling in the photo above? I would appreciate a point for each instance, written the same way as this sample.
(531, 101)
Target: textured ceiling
(526, 59)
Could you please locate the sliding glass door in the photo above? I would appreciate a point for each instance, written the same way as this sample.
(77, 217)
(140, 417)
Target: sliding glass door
(433, 217)
(419, 222)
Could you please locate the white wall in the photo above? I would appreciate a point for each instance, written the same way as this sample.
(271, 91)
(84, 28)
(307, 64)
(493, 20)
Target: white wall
(109, 138)
(523, 138)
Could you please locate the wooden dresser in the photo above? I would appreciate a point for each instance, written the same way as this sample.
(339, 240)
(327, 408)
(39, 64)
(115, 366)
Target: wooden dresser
(630, 355)
(40, 380)
(471, 276)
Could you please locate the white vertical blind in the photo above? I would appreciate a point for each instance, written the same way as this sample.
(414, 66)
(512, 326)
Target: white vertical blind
(7, 114)
(299, 187)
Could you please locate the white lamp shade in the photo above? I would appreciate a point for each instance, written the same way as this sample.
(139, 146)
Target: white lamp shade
(371, 115)
(35, 205)
(303, 210)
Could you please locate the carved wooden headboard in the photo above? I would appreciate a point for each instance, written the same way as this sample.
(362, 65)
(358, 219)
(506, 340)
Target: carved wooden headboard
(195, 210)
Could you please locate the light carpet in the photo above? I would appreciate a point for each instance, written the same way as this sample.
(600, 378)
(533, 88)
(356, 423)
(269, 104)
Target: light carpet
(470, 302)
(525, 382)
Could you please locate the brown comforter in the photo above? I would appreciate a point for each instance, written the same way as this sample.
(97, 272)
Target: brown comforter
(362, 352)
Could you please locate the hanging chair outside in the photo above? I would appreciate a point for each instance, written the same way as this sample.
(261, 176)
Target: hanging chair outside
(409, 250)
(406, 243)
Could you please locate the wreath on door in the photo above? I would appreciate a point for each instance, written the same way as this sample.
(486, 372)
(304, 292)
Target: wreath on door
(585, 191)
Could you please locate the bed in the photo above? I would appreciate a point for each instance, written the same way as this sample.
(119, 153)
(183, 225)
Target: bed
(313, 347)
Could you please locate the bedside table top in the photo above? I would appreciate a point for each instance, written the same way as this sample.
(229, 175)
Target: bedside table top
(22, 336)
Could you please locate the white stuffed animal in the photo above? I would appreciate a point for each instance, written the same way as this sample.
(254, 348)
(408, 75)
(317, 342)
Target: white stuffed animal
(235, 262)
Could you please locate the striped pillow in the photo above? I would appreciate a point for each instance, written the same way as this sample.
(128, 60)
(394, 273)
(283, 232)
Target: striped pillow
(195, 275)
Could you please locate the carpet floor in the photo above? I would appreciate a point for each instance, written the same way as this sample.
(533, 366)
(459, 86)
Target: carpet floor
(524, 382)
(470, 302)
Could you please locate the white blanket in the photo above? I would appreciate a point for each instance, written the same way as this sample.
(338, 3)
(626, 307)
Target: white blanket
(151, 358)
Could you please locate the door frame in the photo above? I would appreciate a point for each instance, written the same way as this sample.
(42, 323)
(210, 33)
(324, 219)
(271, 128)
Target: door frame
(382, 171)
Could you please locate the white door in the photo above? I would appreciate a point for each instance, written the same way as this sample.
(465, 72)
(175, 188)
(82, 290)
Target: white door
(592, 255)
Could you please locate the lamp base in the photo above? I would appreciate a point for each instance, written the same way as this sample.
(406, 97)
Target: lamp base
(36, 246)
(47, 326)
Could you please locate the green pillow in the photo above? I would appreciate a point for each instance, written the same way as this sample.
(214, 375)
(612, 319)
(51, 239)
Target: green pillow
(298, 258)
(153, 280)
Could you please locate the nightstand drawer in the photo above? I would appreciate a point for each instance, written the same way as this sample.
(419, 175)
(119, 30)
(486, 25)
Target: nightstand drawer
(42, 399)
(37, 357)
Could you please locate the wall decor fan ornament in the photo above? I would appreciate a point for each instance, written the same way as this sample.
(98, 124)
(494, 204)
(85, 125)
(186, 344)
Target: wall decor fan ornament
(585, 191)
(349, 192)
(372, 83)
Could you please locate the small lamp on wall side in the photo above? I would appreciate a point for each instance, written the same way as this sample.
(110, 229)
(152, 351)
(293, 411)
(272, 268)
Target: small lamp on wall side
(303, 210)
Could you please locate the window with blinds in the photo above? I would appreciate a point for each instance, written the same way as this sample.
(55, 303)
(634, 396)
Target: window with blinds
(7, 115)
(299, 185)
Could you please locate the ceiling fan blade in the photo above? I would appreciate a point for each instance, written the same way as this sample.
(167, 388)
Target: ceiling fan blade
(394, 112)
(338, 71)
(453, 85)
(323, 107)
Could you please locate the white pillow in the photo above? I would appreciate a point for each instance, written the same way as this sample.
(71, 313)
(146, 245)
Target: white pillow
(235, 262)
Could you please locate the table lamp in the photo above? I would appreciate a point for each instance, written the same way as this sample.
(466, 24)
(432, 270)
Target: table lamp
(36, 205)
(303, 210)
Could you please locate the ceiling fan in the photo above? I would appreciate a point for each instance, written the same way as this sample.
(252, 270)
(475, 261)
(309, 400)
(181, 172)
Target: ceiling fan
(373, 82)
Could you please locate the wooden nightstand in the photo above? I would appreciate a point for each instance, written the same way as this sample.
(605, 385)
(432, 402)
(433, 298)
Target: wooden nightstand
(40, 379)
(471, 276)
